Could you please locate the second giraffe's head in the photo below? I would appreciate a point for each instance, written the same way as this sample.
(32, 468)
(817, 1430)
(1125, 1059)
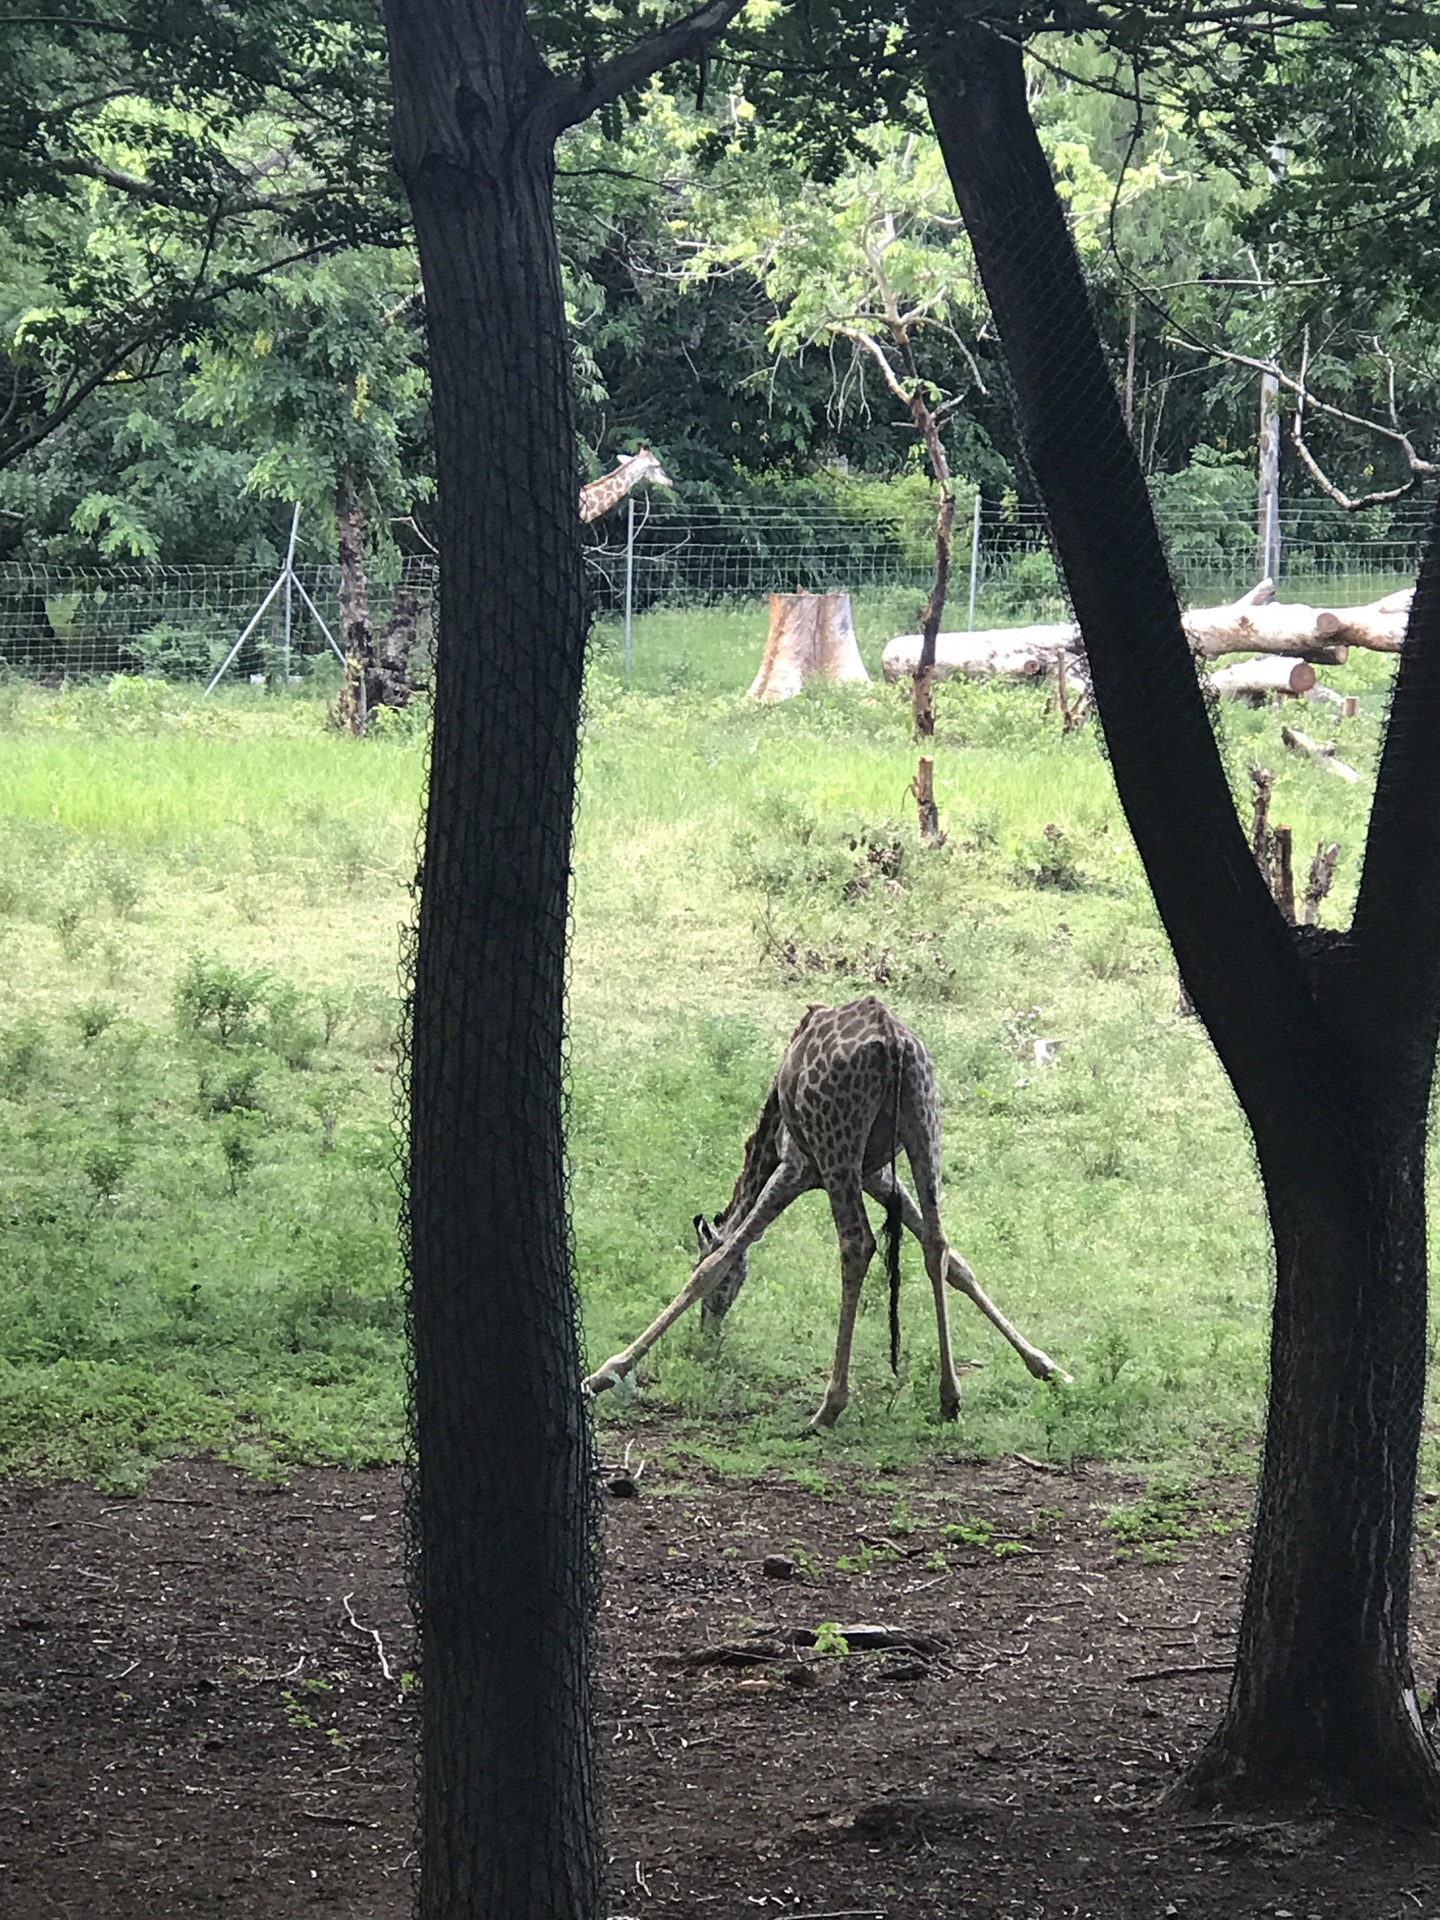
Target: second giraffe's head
(717, 1303)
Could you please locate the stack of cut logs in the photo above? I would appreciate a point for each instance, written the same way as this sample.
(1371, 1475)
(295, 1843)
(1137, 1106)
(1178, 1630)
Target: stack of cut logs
(1292, 639)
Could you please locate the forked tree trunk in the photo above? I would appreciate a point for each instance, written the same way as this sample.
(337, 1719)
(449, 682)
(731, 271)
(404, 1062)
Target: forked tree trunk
(1323, 1699)
(1323, 1694)
(502, 1496)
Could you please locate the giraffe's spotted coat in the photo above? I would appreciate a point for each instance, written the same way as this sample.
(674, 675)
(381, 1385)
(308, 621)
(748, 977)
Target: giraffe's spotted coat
(855, 1088)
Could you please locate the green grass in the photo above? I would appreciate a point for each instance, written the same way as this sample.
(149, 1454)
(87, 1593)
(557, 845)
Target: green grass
(199, 905)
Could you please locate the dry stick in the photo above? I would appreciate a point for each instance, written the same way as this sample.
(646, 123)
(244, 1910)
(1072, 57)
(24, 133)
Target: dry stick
(1283, 884)
(1261, 781)
(1299, 742)
(924, 695)
(1322, 873)
(379, 1643)
(923, 788)
(1072, 714)
(1174, 1673)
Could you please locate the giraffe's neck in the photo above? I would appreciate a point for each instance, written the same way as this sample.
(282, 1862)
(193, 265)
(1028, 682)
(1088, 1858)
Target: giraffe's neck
(762, 1156)
(611, 488)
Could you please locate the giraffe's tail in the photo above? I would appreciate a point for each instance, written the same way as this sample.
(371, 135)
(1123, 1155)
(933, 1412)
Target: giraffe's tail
(893, 1227)
(894, 1218)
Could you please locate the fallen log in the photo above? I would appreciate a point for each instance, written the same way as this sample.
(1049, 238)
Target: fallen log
(1259, 623)
(1299, 742)
(1258, 679)
(1380, 625)
(1255, 623)
(1011, 653)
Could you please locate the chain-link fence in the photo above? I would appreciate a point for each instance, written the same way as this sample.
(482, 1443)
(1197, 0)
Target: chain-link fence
(181, 622)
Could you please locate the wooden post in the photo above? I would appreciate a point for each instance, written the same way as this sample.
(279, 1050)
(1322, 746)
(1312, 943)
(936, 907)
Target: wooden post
(1282, 882)
(1261, 781)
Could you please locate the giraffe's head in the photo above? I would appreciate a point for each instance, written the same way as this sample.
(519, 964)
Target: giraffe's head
(717, 1303)
(645, 466)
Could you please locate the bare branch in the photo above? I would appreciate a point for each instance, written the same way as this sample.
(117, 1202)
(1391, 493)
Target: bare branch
(873, 347)
(1420, 469)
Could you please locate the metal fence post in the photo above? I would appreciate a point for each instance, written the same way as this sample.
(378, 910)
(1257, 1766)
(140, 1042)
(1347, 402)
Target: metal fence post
(629, 578)
(974, 558)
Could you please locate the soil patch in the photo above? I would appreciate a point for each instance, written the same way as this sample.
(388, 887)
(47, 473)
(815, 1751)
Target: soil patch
(205, 1709)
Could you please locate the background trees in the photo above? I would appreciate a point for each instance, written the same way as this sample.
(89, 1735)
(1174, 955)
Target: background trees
(149, 195)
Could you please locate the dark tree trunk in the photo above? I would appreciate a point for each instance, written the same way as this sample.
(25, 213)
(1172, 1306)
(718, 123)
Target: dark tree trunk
(352, 711)
(502, 1501)
(1323, 1696)
(1306, 1024)
(389, 683)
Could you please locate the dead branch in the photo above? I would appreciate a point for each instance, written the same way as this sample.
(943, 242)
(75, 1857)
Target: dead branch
(1322, 873)
(1299, 742)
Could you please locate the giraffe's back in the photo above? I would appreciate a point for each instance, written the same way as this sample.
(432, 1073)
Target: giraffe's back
(849, 1075)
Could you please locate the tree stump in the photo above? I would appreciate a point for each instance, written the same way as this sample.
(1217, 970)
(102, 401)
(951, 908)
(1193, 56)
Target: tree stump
(810, 633)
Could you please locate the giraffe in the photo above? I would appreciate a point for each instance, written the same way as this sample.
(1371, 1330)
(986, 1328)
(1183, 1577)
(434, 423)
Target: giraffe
(611, 488)
(854, 1088)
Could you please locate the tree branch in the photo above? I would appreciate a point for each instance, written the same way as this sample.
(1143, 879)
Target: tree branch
(141, 189)
(686, 39)
(1299, 386)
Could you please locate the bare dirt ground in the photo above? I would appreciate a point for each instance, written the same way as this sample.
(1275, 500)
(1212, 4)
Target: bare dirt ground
(197, 1718)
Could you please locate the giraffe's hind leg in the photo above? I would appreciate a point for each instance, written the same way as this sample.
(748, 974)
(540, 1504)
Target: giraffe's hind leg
(959, 1274)
(857, 1248)
(886, 1187)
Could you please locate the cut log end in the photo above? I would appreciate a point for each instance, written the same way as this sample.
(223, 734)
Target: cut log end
(1261, 678)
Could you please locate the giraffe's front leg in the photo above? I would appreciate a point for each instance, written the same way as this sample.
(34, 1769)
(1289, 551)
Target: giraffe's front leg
(857, 1248)
(782, 1187)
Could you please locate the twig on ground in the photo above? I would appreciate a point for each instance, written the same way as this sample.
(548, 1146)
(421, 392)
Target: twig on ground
(374, 1635)
(1174, 1673)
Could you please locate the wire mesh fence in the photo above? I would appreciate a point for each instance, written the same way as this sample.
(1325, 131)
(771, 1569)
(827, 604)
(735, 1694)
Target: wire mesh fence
(176, 622)
(181, 622)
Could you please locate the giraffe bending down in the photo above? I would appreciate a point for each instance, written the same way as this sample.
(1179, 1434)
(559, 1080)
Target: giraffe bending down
(854, 1089)
(611, 488)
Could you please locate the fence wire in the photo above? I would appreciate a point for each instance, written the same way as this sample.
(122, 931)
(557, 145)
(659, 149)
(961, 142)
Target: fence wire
(180, 622)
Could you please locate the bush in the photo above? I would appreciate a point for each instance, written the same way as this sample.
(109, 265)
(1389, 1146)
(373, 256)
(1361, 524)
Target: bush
(214, 1001)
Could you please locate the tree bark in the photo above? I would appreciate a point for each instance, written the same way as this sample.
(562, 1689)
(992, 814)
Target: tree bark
(389, 684)
(502, 1514)
(1323, 1698)
(1326, 1705)
(810, 633)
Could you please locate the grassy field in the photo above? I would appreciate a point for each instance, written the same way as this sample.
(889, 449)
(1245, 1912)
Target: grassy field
(199, 914)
